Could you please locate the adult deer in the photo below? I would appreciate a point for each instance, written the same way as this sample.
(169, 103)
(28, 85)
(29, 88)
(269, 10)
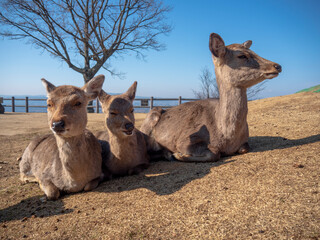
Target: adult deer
(124, 147)
(203, 130)
(70, 159)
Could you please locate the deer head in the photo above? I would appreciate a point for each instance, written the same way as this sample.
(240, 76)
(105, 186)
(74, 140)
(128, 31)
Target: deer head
(238, 66)
(67, 106)
(119, 111)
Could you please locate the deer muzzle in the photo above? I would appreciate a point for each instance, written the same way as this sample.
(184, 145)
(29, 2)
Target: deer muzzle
(58, 127)
(276, 70)
(129, 128)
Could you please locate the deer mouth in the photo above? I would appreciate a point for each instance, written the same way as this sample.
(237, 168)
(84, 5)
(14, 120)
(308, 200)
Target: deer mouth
(271, 75)
(59, 131)
(128, 133)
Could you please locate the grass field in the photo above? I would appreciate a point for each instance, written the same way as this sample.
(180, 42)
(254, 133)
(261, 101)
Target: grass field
(315, 89)
(271, 192)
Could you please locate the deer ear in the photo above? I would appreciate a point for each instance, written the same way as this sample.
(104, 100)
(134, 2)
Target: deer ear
(93, 87)
(216, 45)
(247, 44)
(48, 85)
(103, 96)
(131, 92)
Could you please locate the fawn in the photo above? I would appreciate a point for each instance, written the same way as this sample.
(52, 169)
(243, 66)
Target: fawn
(201, 131)
(126, 147)
(68, 160)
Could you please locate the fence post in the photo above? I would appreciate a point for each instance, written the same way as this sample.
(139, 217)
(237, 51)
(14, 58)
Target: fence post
(13, 107)
(179, 100)
(151, 103)
(97, 106)
(27, 104)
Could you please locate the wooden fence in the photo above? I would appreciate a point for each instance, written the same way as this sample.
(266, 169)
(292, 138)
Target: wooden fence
(144, 103)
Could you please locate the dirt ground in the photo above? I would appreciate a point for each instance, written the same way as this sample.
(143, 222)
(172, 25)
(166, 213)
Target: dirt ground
(270, 193)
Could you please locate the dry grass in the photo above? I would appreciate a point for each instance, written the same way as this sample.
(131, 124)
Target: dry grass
(269, 193)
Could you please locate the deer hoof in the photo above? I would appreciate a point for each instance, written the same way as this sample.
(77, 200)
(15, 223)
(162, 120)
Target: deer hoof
(181, 157)
(206, 157)
(244, 148)
(53, 195)
(50, 190)
(92, 184)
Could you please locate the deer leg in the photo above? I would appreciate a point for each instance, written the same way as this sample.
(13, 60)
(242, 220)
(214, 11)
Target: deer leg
(207, 156)
(244, 148)
(50, 190)
(138, 169)
(169, 156)
(92, 184)
(26, 179)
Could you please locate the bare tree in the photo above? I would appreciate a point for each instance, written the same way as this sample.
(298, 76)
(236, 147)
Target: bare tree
(253, 92)
(86, 33)
(209, 87)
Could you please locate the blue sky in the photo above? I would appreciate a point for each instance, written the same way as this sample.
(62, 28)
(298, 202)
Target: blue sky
(283, 31)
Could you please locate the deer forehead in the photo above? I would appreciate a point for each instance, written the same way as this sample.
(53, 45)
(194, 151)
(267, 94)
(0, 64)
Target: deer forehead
(239, 49)
(120, 104)
(66, 94)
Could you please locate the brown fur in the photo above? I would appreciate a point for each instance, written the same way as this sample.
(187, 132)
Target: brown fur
(203, 130)
(70, 159)
(128, 147)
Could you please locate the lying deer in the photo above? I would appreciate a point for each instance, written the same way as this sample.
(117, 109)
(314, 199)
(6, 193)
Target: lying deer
(68, 160)
(203, 130)
(127, 145)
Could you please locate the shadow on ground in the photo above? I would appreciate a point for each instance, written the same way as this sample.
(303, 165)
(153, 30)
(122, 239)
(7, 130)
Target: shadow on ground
(33, 207)
(165, 177)
(267, 143)
(162, 177)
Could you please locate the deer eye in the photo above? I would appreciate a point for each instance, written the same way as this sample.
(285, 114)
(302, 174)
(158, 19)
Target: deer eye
(77, 104)
(132, 110)
(243, 57)
(49, 104)
(113, 113)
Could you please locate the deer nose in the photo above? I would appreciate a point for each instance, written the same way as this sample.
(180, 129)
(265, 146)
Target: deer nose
(129, 126)
(58, 126)
(278, 67)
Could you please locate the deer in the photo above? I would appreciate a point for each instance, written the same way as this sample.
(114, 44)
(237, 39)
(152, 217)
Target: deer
(124, 147)
(205, 130)
(69, 159)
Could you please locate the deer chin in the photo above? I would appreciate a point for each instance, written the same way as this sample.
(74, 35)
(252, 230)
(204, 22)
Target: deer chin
(271, 75)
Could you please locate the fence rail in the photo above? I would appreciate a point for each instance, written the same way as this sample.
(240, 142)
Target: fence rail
(147, 103)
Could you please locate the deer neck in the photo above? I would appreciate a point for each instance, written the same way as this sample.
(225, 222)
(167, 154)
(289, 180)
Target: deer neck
(71, 151)
(232, 111)
(122, 148)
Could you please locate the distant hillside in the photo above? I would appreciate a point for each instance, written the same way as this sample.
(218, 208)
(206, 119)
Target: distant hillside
(311, 89)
